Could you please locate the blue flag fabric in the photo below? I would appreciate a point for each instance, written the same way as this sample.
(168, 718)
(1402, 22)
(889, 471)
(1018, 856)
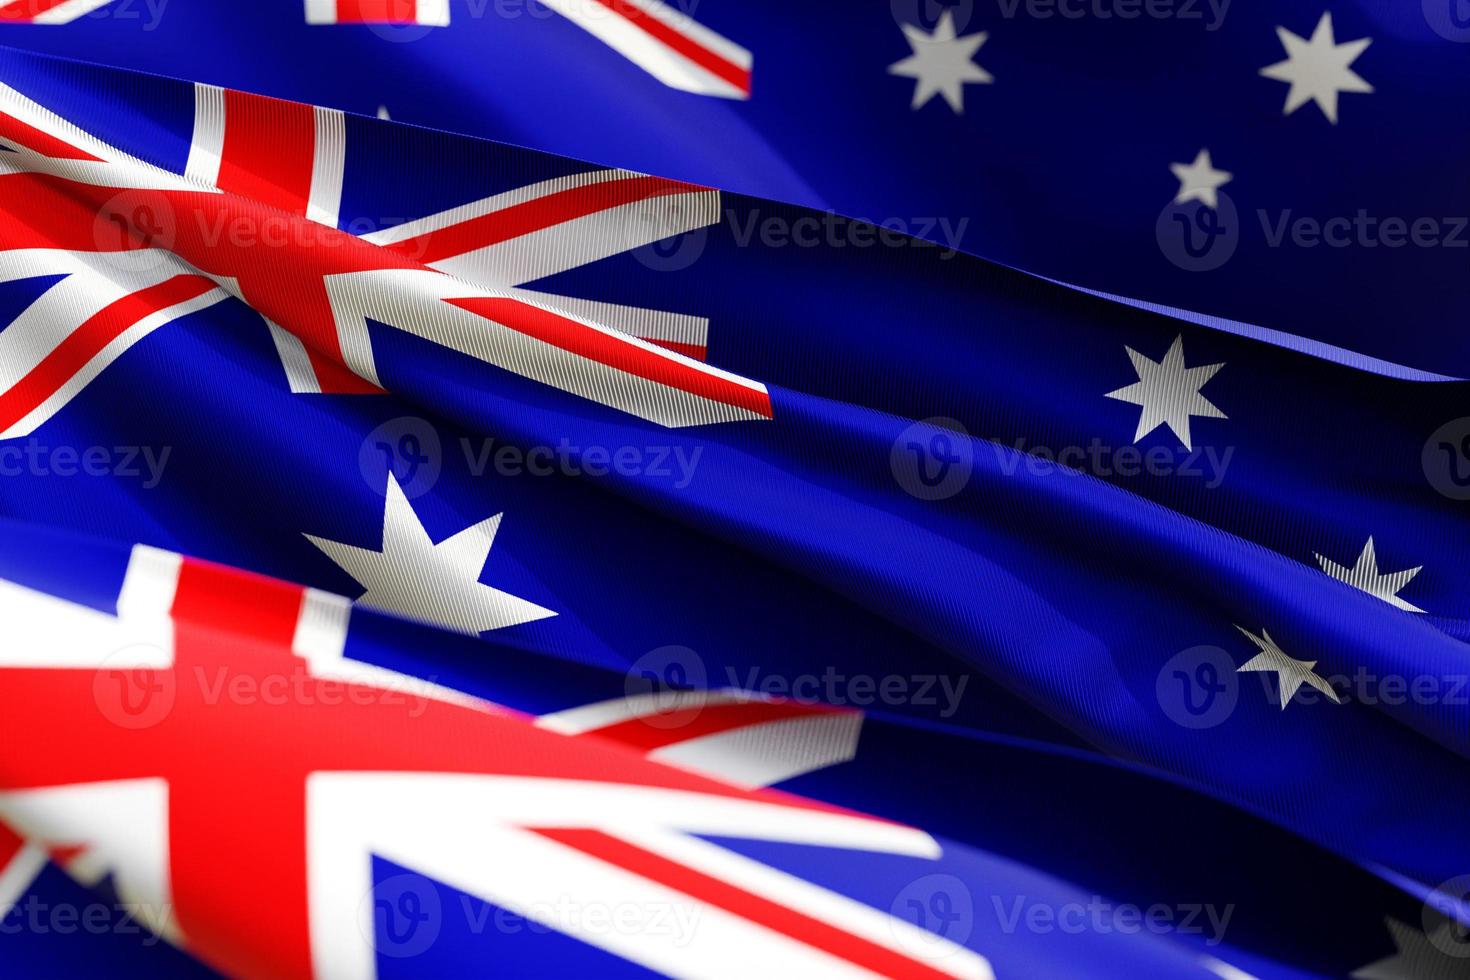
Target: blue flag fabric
(1059, 152)
(1139, 616)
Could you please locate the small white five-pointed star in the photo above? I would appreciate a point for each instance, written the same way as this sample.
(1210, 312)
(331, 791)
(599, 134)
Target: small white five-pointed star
(1318, 68)
(941, 63)
(1168, 392)
(433, 583)
(1364, 575)
(1290, 672)
(1198, 181)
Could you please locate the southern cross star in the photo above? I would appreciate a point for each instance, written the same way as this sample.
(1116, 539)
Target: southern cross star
(1364, 575)
(1317, 68)
(432, 583)
(1168, 392)
(941, 63)
(1199, 181)
(1290, 673)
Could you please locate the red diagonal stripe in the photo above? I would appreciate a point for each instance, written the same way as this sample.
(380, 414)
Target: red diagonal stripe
(23, 10)
(10, 845)
(537, 215)
(31, 138)
(762, 911)
(681, 724)
(584, 341)
(697, 352)
(88, 340)
(377, 11)
(714, 63)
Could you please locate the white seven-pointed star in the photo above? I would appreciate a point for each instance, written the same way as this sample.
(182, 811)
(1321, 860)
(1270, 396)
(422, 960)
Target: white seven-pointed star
(1364, 575)
(1199, 180)
(941, 63)
(1168, 392)
(1435, 954)
(1290, 672)
(1318, 68)
(432, 583)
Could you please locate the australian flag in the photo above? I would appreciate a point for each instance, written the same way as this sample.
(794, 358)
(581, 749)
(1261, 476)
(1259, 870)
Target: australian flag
(662, 488)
